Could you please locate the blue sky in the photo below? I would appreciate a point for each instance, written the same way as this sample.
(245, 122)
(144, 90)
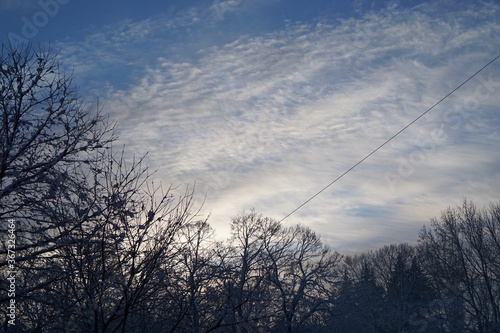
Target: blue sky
(263, 103)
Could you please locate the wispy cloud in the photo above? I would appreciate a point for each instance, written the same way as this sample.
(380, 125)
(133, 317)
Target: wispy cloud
(268, 120)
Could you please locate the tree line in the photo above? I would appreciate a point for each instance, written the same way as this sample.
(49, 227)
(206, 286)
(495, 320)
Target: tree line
(100, 247)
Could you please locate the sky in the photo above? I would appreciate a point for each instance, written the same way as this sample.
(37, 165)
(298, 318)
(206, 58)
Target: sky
(262, 104)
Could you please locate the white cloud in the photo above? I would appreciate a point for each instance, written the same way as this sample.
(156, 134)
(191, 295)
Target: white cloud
(267, 121)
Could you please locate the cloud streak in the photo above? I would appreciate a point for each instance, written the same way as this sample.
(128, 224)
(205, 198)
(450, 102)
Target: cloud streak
(266, 121)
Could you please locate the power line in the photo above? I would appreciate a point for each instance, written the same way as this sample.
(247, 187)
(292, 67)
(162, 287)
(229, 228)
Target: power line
(390, 139)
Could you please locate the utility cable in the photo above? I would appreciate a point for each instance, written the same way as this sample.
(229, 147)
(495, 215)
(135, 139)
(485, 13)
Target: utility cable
(390, 139)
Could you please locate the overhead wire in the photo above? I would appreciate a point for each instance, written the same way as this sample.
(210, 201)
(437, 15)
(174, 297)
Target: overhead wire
(390, 139)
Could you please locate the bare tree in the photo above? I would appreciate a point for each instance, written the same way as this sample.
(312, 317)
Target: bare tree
(45, 132)
(115, 231)
(194, 285)
(463, 257)
(247, 267)
(44, 129)
(303, 273)
(94, 235)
